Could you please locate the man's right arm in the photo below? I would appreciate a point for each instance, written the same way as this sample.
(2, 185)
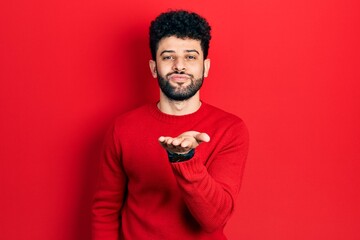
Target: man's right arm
(110, 191)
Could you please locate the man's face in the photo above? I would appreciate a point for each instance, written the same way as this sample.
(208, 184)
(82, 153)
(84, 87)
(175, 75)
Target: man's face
(179, 67)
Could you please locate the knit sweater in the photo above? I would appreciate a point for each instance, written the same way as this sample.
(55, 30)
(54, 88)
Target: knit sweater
(142, 196)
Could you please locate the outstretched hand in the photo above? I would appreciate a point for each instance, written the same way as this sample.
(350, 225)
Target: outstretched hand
(183, 143)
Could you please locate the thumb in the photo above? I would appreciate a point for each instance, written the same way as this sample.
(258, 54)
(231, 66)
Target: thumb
(202, 137)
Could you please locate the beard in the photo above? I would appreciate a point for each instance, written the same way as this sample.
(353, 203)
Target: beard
(179, 92)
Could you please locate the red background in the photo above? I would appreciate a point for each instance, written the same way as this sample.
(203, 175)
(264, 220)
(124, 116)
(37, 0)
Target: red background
(290, 69)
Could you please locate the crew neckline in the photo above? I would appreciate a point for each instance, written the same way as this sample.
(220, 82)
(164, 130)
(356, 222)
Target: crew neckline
(155, 112)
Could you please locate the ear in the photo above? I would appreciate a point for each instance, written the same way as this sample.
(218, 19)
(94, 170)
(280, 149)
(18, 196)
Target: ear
(206, 67)
(152, 65)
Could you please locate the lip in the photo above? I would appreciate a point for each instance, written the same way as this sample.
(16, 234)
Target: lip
(179, 77)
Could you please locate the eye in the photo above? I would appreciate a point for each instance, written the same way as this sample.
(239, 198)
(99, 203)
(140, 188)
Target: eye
(191, 57)
(167, 58)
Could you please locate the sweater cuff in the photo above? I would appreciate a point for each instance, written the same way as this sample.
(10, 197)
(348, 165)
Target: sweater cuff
(192, 169)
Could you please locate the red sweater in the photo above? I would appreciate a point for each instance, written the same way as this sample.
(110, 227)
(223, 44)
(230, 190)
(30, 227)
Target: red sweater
(141, 195)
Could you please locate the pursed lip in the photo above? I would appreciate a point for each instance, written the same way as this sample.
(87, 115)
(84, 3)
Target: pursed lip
(179, 77)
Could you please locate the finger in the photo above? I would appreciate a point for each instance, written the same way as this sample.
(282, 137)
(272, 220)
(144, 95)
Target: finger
(186, 143)
(169, 141)
(163, 141)
(202, 137)
(177, 141)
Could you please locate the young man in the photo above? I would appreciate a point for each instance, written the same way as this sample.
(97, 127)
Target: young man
(172, 169)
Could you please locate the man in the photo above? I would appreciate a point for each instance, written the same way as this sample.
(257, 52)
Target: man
(161, 175)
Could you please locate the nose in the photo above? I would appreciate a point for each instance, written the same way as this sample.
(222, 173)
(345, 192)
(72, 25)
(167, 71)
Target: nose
(179, 65)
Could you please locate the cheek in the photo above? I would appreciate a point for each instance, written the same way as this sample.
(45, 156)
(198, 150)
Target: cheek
(197, 69)
(163, 67)
(161, 71)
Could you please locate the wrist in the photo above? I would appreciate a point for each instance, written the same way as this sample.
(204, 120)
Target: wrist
(180, 157)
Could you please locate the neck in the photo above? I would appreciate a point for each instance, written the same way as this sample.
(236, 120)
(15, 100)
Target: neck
(179, 108)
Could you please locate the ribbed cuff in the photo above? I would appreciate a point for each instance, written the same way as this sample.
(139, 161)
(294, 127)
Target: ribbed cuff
(191, 170)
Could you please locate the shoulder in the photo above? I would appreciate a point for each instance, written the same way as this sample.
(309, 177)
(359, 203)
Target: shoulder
(226, 129)
(133, 118)
(226, 123)
(134, 114)
(220, 116)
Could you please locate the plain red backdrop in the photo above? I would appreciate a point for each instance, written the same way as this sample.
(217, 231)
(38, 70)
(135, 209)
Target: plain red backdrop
(290, 69)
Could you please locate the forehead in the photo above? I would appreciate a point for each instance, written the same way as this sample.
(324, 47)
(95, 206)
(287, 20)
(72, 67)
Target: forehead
(179, 44)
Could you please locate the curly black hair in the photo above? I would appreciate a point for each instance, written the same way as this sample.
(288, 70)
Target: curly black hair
(181, 24)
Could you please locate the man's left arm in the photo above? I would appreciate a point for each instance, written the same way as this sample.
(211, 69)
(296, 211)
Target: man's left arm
(210, 191)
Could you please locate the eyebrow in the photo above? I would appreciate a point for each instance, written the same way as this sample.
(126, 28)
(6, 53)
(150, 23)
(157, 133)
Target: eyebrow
(167, 51)
(193, 50)
(172, 51)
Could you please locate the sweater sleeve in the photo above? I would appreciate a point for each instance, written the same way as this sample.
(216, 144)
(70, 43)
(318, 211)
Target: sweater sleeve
(109, 195)
(210, 191)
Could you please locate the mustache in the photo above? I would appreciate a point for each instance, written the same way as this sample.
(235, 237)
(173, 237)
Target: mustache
(187, 74)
